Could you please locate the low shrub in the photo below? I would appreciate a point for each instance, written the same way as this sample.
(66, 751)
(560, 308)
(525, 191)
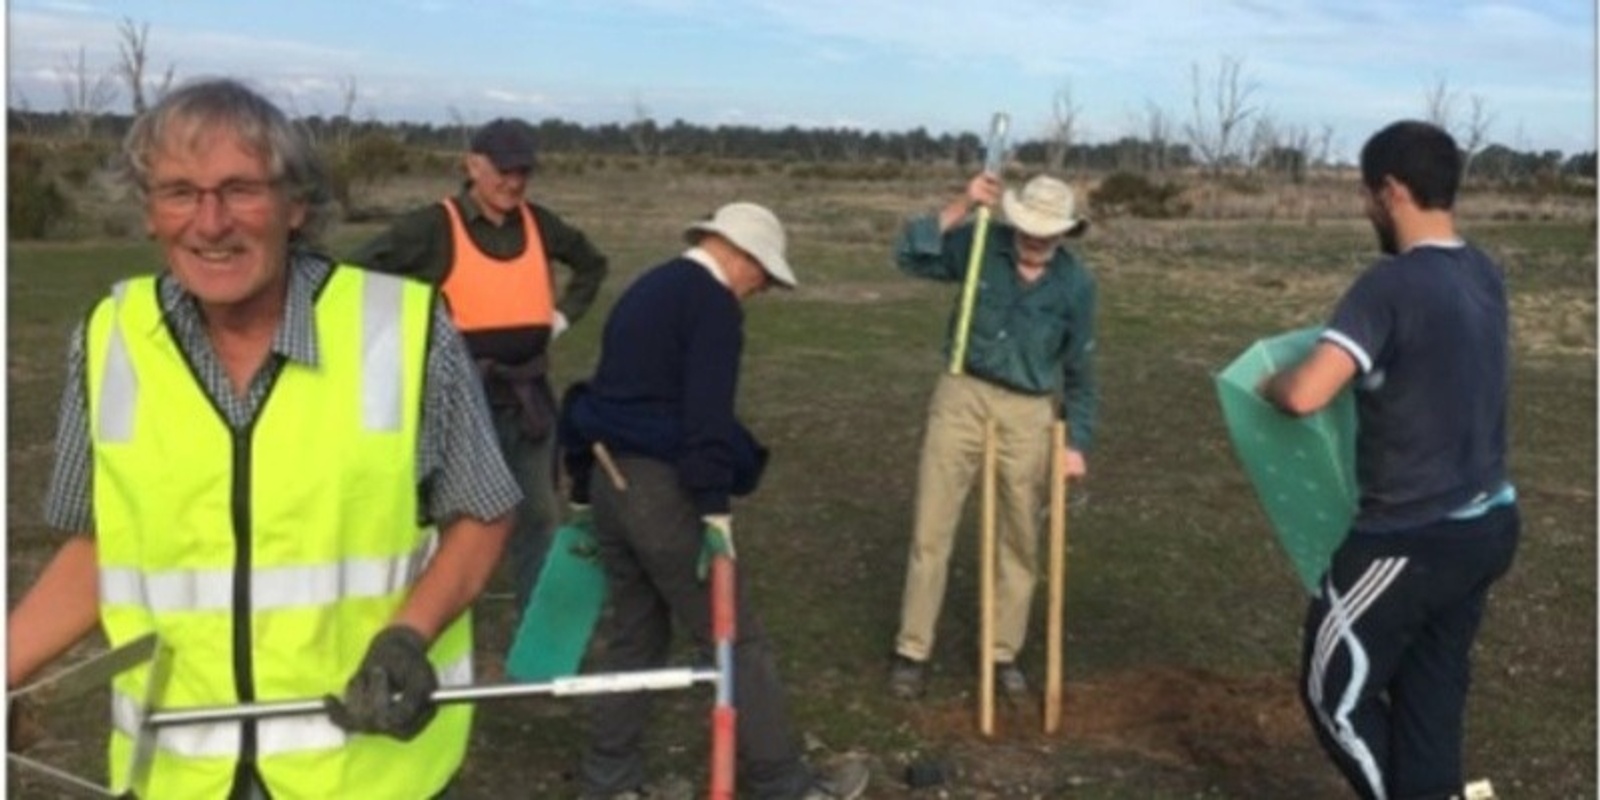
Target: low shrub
(1132, 194)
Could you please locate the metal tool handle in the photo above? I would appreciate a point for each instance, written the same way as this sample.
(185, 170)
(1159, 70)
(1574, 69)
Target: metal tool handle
(604, 683)
(993, 162)
(994, 151)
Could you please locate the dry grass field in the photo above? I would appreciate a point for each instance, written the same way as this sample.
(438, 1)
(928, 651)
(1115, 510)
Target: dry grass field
(1182, 614)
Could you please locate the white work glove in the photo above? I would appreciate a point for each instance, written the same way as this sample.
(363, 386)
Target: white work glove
(558, 326)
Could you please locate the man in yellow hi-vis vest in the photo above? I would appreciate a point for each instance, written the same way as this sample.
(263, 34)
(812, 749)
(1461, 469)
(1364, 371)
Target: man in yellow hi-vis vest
(281, 467)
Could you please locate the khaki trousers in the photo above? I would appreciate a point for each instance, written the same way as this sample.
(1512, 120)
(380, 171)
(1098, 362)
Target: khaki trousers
(952, 460)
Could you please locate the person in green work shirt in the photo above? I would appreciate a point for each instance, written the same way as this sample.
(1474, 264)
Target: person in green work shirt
(1029, 360)
(493, 253)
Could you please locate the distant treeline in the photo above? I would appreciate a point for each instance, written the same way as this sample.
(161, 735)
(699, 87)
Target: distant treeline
(646, 138)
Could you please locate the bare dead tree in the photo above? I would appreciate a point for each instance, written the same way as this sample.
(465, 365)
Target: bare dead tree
(1062, 128)
(1471, 132)
(1439, 103)
(349, 94)
(21, 117)
(641, 131)
(1261, 145)
(461, 123)
(134, 49)
(1475, 132)
(1219, 115)
(1325, 145)
(1158, 130)
(87, 92)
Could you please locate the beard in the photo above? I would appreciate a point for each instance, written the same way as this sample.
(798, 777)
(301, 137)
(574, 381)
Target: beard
(1388, 240)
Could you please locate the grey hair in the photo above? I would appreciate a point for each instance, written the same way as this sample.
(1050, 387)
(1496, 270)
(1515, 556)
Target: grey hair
(198, 108)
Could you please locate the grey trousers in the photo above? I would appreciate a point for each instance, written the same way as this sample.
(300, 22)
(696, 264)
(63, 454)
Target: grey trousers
(532, 464)
(649, 537)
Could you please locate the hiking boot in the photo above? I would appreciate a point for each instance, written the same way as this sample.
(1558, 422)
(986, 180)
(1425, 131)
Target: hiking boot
(908, 678)
(845, 781)
(1010, 679)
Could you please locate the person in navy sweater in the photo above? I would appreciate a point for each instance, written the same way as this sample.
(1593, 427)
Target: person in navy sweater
(1423, 335)
(661, 400)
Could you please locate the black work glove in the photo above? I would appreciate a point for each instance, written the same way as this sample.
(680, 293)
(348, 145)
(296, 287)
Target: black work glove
(392, 691)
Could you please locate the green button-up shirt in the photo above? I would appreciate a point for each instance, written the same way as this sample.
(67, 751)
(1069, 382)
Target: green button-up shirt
(418, 244)
(1036, 338)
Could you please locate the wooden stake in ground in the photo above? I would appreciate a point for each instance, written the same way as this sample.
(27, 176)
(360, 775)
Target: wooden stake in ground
(986, 559)
(1058, 579)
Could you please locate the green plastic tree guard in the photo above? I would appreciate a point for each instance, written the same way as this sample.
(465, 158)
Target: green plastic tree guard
(1303, 468)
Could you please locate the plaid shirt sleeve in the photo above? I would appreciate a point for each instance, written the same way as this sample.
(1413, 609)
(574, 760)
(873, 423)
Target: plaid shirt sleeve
(67, 505)
(461, 470)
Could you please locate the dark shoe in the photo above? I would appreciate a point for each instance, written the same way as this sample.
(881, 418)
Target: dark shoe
(908, 678)
(1011, 681)
(845, 781)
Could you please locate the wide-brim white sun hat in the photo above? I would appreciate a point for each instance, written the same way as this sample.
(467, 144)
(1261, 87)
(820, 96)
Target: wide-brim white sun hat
(1045, 207)
(753, 229)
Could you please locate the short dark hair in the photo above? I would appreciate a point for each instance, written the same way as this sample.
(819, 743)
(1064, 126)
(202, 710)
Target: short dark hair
(1420, 155)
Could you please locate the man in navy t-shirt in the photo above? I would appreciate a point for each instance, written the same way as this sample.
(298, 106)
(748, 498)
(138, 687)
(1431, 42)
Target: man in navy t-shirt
(1423, 334)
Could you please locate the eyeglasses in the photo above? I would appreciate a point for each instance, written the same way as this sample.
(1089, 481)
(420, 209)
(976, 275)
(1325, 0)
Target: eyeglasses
(239, 196)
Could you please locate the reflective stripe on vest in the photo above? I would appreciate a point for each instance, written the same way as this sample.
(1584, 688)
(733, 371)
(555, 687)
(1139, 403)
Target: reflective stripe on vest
(273, 587)
(300, 530)
(486, 293)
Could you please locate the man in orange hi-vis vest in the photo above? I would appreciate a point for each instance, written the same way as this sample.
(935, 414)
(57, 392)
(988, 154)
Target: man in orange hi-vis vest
(493, 252)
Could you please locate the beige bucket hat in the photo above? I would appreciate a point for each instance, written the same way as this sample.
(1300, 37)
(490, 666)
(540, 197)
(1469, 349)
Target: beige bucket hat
(1045, 207)
(753, 229)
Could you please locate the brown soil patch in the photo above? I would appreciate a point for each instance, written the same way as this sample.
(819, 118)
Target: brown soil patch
(1172, 714)
(1187, 720)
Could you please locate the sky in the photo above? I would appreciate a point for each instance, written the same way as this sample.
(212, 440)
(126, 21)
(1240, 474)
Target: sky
(1348, 67)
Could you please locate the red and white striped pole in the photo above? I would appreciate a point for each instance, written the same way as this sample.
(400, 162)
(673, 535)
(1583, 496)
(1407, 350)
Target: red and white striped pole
(723, 715)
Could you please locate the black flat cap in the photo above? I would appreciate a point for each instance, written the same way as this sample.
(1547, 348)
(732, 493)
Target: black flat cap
(507, 143)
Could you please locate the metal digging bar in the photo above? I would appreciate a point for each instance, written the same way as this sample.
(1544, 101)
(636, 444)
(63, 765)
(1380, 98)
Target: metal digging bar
(993, 162)
(571, 686)
(100, 670)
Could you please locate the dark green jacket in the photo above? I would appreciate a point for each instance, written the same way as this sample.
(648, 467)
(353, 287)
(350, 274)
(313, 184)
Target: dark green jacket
(1033, 338)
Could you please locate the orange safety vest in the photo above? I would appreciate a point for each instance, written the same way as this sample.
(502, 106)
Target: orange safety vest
(485, 293)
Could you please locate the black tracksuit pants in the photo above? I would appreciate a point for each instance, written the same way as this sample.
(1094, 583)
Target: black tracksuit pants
(1386, 659)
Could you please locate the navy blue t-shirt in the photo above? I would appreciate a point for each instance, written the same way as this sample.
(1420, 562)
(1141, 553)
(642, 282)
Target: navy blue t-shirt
(1428, 331)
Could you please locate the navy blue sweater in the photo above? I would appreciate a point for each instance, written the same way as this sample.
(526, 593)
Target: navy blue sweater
(665, 387)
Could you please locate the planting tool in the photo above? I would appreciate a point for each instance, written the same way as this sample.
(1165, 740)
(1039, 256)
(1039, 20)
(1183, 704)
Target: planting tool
(79, 679)
(151, 717)
(993, 162)
(986, 570)
(1058, 579)
(724, 715)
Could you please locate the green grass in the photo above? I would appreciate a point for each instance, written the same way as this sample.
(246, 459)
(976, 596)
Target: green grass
(1172, 566)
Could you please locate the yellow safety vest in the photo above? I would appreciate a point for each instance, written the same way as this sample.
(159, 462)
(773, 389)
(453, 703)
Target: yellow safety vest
(267, 559)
